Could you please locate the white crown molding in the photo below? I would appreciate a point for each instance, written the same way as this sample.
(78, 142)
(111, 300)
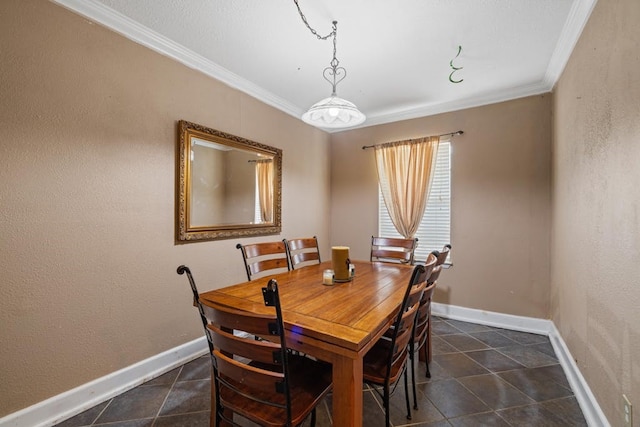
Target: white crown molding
(72, 402)
(571, 31)
(140, 34)
(103, 15)
(446, 107)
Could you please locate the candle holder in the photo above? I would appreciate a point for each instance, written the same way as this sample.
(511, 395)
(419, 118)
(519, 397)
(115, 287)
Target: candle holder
(328, 277)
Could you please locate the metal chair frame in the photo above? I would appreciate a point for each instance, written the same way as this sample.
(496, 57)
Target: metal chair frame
(266, 363)
(396, 342)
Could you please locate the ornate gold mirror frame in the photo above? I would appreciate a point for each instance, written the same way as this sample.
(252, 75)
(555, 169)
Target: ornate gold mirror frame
(227, 186)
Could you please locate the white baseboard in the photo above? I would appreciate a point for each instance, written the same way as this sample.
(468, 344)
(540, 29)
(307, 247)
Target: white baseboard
(590, 408)
(65, 405)
(491, 318)
(77, 400)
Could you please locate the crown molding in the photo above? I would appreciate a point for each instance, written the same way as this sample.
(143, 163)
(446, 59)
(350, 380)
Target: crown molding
(576, 21)
(134, 31)
(107, 17)
(461, 104)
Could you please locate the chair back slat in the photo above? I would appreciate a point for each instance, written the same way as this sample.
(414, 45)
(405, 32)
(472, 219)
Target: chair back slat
(443, 254)
(268, 264)
(405, 328)
(235, 373)
(261, 257)
(435, 274)
(230, 318)
(303, 250)
(304, 257)
(261, 249)
(422, 317)
(388, 249)
(246, 346)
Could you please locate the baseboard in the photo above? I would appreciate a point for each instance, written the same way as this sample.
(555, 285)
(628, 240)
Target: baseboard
(490, 318)
(590, 408)
(65, 405)
(77, 400)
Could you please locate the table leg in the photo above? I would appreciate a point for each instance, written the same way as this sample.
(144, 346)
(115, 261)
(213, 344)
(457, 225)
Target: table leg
(347, 391)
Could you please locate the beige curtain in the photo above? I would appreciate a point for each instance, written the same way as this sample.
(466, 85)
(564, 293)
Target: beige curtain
(405, 170)
(264, 173)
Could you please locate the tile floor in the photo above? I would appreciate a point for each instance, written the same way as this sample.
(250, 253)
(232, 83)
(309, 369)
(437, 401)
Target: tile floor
(481, 376)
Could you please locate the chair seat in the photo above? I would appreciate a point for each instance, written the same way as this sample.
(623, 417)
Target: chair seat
(310, 382)
(374, 365)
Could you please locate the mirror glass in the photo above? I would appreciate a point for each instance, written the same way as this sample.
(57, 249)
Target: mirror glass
(228, 186)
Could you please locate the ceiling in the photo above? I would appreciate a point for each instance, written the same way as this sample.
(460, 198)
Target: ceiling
(397, 53)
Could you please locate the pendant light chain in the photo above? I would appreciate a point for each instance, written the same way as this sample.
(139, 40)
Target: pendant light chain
(334, 70)
(332, 112)
(314, 32)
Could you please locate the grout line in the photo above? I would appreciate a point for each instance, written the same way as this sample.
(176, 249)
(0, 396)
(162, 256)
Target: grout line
(422, 395)
(155, 418)
(102, 412)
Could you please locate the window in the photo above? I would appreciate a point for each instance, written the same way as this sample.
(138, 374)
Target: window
(434, 230)
(257, 214)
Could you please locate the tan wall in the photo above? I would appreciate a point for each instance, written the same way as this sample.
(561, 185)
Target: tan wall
(595, 293)
(87, 182)
(500, 201)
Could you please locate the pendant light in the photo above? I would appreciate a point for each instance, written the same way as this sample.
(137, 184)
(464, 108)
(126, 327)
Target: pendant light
(332, 112)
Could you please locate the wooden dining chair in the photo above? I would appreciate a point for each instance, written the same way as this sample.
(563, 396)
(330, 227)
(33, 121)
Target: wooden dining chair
(258, 379)
(387, 360)
(261, 257)
(303, 252)
(390, 249)
(443, 254)
(421, 334)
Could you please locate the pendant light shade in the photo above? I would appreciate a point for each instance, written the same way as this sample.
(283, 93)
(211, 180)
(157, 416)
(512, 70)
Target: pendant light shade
(333, 113)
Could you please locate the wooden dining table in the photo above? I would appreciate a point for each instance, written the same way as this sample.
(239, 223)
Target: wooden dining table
(338, 323)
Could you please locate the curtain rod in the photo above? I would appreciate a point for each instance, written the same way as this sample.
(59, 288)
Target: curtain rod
(364, 147)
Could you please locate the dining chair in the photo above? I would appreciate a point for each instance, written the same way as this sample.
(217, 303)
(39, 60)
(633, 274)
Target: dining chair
(302, 251)
(443, 254)
(386, 361)
(261, 257)
(421, 334)
(258, 380)
(433, 278)
(391, 249)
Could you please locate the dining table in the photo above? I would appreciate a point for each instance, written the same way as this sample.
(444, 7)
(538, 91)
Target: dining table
(336, 323)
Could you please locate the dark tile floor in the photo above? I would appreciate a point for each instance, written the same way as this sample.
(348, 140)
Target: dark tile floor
(481, 376)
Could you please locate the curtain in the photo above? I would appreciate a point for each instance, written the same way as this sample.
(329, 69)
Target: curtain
(264, 173)
(405, 170)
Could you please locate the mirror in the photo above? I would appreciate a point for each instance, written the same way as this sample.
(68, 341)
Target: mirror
(227, 186)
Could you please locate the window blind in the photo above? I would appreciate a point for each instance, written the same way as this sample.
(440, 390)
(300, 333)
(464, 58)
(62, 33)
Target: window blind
(435, 227)
(257, 212)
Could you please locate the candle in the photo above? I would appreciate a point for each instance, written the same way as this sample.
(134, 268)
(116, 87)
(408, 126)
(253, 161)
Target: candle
(327, 277)
(340, 262)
